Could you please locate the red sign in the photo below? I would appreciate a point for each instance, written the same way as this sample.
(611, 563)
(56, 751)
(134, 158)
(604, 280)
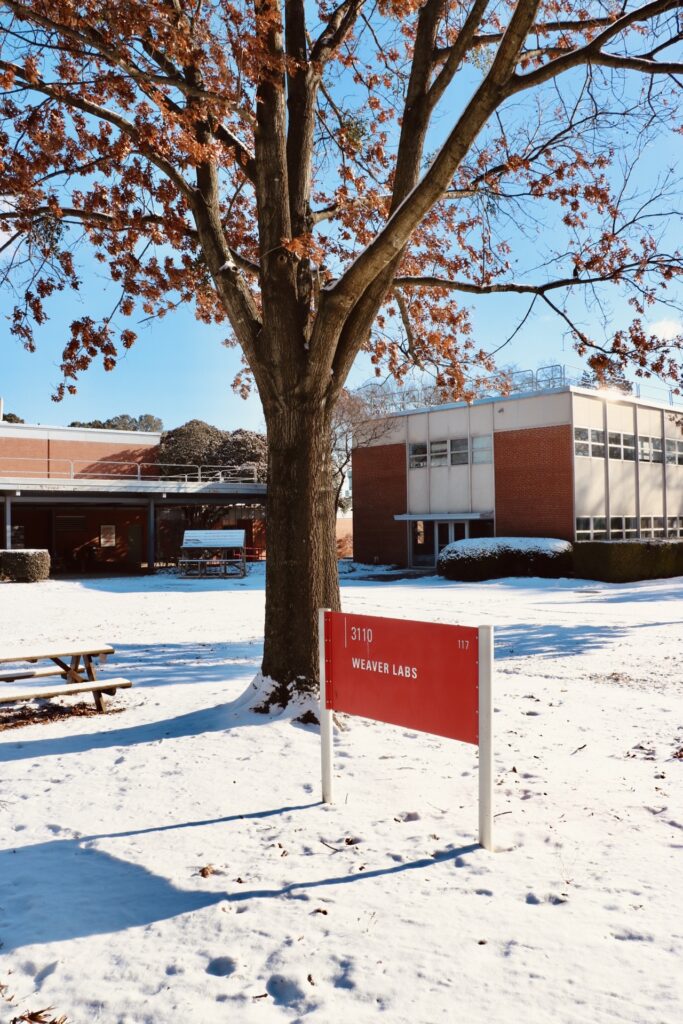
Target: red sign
(421, 675)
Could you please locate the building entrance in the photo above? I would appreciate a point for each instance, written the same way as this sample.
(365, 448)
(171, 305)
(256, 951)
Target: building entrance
(428, 537)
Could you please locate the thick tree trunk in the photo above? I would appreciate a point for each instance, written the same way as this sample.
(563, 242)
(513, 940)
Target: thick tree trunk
(301, 572)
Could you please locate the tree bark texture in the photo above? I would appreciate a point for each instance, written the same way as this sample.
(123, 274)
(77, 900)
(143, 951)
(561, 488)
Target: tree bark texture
(301, 572)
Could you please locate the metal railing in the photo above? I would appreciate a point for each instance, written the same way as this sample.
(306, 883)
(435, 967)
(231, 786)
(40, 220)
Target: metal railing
(30, 468)
(547, 378)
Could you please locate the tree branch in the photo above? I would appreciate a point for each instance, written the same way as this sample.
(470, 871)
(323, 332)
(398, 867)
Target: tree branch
(125, 126)
(591, 53)
(391, 240)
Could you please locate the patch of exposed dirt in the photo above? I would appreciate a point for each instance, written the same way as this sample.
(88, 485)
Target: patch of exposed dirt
(14, 717)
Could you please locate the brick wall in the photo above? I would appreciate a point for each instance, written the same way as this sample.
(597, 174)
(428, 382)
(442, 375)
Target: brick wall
(534, 484)
(379, 493)
(43, 457)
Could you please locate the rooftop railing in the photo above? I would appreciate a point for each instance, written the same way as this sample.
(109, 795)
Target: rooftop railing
(546, 378)
(23, 467)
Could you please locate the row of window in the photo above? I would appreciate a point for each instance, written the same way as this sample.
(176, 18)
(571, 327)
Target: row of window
(626, 527)
(459, 451)
(593, 444)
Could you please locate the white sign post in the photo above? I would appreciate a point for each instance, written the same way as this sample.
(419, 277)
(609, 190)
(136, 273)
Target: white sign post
(325, 715)
(485, 738)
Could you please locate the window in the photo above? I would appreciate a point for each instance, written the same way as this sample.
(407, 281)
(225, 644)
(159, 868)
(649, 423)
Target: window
(674, 523)
(680, 453)
(658, 524)
(670, 452)
(592, 443)
(614, 445)
(622, 446)
(598, 444)
(595, 528)
(417, 456)
(583, 528)
(482, 449)
(644, 449)
(459, 451)
(581, 445)
(646, 526)
(438, 453)
(107, 536)
(599, 528)
(657, 452)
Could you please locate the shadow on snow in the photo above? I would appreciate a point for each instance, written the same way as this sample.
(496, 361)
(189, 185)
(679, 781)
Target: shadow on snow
(69, 889)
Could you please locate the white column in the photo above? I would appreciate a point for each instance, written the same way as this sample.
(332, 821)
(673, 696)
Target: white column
(8, 523)
(325, 716)
(486, 738)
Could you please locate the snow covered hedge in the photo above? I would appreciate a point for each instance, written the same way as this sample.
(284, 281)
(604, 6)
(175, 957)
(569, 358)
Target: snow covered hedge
(490, 557)
(626, 561)
(25, 566)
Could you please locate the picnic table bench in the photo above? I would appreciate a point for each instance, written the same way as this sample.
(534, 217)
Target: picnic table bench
(213, 553)
(66, 662)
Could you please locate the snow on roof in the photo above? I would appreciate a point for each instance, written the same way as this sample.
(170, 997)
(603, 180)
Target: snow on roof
(213, 539)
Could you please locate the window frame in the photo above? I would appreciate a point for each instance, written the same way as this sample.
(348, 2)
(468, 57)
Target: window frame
(464, 449)
(414, 455)
(479, 450)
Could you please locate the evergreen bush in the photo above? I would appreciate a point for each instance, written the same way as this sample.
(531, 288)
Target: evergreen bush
(25, 565)
(626, 561)
(494, 557)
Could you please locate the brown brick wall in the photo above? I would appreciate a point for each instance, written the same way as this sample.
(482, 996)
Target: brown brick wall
(42, 457)
(534, 482)
(379, 493)
(23, 455)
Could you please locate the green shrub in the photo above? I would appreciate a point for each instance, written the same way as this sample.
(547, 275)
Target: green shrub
(25, 566)
(626, 561)
(495, 557)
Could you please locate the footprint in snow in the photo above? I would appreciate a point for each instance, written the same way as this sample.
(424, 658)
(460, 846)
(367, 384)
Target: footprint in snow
(408, 816)
(284, 991)
(221, 967)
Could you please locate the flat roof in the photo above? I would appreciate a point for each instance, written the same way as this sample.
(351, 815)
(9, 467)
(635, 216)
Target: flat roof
(25, 430)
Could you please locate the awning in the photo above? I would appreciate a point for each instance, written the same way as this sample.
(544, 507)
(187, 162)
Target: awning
(442, 517)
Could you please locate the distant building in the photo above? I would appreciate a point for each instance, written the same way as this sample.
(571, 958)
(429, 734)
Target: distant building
(100, 500)
(572, 463)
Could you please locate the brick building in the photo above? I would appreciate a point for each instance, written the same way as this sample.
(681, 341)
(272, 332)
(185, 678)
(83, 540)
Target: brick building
(99, 500)
(573, 463)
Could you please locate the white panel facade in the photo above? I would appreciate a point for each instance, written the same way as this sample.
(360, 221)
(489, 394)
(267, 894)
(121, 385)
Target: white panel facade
(651, 490)
(620, 418)
(483, 497)
(418, 490)
(442, 486)
(536, 411)
(418, 427)
(588, 412)
(589, 486)
(459, 490)
(622, 488)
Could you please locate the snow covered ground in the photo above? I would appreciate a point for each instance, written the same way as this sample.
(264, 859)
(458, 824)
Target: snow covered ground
(380, 907)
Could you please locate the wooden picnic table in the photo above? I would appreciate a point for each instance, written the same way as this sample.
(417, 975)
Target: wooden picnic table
(66, 662)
